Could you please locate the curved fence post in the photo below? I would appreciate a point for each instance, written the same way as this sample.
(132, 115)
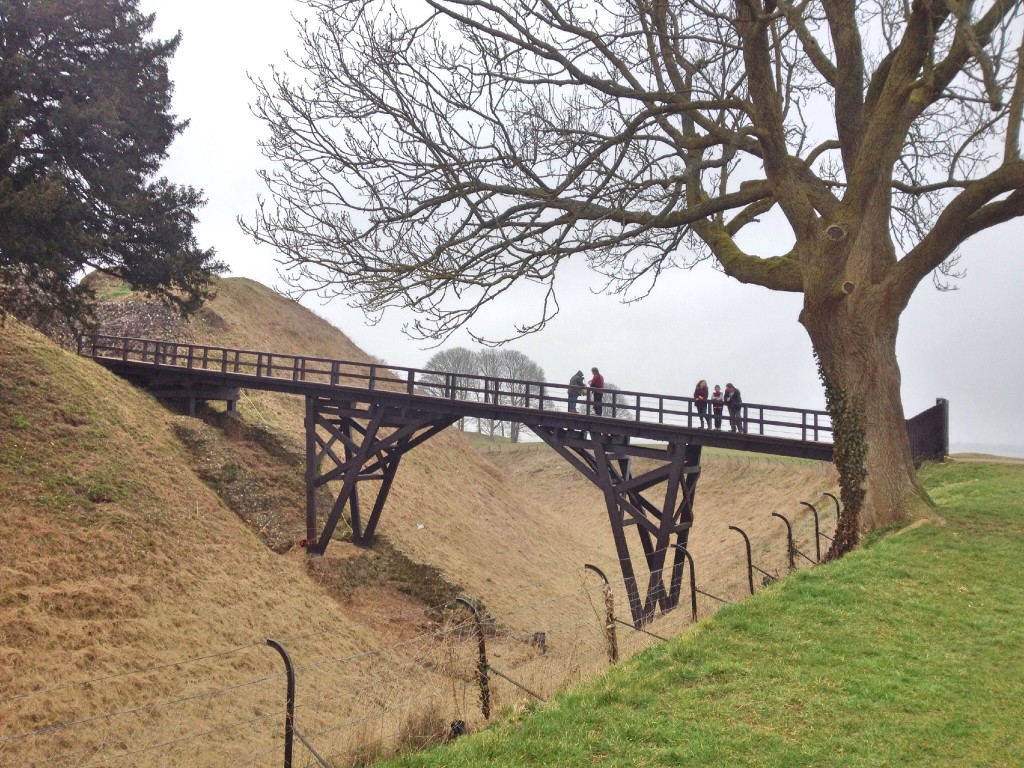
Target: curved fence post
(609, 614)
(789, 541)
(289, 714)
(838, 508)
(481, 668)
(817, 529)
(750, 558)
(693, 581)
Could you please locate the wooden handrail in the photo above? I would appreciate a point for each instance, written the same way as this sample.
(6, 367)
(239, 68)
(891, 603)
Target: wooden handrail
(783, 421)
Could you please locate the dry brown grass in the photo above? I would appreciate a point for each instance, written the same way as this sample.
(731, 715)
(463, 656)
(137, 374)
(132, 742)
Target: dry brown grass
(159, 572)
(734, 489)
(118, 557)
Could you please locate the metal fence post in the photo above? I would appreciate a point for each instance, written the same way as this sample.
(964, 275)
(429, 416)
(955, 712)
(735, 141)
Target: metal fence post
(750, 557)
(693, 580)
(834, 499)
(482, 667)
(289, 716)
(790, 550)
(290, 731)
(817, 530)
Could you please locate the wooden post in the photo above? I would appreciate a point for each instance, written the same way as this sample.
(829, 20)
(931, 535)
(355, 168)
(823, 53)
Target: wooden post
(311, 466)
(482, 666)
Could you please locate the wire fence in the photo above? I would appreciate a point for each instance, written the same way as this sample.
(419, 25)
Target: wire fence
(465, 667)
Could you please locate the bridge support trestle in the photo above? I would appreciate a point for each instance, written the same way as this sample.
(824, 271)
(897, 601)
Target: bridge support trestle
(352, 442)
(662, 526)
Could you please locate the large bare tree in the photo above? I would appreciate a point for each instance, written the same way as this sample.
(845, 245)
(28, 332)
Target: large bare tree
(432, 154)
(517, 367)
(457, 360)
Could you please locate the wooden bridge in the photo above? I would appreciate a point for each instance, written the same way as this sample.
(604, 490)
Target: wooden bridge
(361, 418)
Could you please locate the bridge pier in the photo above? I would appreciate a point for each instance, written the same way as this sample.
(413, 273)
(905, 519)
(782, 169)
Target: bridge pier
(662, 526)
(354, 442)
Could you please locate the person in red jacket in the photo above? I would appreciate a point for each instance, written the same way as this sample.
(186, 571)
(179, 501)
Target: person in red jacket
(700, 399)
(597, 387)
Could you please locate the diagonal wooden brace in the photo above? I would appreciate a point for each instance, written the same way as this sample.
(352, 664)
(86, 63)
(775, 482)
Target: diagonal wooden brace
(661, 526)
(374, 437)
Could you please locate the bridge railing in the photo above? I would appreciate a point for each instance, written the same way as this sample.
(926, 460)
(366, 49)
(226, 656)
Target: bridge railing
(776, 421)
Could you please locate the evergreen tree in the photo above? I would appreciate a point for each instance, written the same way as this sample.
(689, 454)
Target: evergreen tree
(85, 124)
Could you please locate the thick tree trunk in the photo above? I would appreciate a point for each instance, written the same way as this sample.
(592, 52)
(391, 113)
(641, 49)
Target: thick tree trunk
(855, 340)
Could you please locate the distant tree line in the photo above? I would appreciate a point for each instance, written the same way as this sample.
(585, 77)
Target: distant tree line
(492, 363)
(507, 364)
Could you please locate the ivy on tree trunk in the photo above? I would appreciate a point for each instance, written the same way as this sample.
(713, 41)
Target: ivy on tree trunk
(849, 454)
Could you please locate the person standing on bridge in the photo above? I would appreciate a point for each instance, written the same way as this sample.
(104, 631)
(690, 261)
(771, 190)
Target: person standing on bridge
(716, 406)
(597, 387)
(700, 398)
(735, 402)
(576, 387)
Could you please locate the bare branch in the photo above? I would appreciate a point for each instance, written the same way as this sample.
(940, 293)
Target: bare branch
(976, 208)
(434, 156)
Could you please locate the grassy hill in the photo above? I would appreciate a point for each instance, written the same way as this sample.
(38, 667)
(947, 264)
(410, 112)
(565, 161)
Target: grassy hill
(116, 557)
(148, 555)
(909, 652)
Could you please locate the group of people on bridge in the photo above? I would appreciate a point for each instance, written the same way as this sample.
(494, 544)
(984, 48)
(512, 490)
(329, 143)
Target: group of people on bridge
(577, 388)
(718, 399)
(702, 398)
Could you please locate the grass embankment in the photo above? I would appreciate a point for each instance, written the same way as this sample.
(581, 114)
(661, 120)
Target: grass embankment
(116, 558)
(909, 652)
(124, 550)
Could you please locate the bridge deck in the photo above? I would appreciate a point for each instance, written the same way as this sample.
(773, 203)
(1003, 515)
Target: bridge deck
(172, 366)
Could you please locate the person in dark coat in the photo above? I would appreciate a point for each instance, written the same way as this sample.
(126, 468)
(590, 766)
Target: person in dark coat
(735, 403)
(700, 399)
(576, 387)
(597, 387)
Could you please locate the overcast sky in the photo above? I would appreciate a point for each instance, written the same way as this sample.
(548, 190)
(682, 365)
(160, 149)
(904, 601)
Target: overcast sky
(964, 346)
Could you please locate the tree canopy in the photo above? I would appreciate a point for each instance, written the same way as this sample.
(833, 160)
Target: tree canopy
(436, 154)
(85, 124)
(507, 364)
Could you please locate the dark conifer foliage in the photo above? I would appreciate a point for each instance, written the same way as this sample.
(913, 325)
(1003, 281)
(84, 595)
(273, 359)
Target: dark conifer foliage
(85, 124)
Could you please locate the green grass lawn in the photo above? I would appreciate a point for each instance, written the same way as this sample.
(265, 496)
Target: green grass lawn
(909, 652)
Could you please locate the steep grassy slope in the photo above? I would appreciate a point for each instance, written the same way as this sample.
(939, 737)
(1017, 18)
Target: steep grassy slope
(119, 555)
(909, 653)
(116, 557)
